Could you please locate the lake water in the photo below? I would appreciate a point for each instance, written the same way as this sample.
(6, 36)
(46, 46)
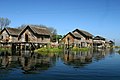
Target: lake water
(91, 65)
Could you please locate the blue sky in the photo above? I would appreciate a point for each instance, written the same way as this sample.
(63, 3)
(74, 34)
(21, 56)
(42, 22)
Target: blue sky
(99, 17)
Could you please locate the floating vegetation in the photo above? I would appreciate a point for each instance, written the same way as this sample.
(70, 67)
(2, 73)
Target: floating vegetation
(48, 50)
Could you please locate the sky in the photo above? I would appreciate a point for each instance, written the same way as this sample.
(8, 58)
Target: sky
(99, 17)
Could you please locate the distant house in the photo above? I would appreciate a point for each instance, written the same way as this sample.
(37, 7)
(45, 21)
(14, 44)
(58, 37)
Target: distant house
(34, 34)
(112, 43)
(86, 40)
(71, 39)
(99, 42)
(10, 35)
(78, 38)
(109, 44)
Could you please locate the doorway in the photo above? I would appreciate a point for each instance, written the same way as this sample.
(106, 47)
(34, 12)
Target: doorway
(26, 37)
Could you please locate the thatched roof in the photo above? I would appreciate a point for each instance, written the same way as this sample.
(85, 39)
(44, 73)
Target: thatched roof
(111, 42)
(79, 34)
(36, 30)
(74, 35)
(40, 30)
(98, 38)
(84, 33)
(12, 31)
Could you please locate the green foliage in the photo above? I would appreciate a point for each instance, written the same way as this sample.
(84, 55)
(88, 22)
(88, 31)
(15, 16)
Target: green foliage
(48, 50)
(56, 49)
(5, 49)
(117, 46)
(55, 38)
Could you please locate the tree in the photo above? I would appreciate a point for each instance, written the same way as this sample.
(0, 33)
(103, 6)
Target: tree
(22, 26)
(52, 30)
(4, 22)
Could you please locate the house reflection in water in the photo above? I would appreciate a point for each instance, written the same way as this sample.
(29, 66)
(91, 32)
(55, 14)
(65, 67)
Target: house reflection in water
(31, 62)
(7, 61)
(35, 63)
(77, 59)
(80, 59)
(101, 53)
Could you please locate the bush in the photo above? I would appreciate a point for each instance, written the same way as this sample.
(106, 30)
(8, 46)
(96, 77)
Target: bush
(48, 50)
(117, 46)
(5, 49)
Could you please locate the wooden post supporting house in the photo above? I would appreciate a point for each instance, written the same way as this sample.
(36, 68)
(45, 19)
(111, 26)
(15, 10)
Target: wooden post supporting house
(31, 37)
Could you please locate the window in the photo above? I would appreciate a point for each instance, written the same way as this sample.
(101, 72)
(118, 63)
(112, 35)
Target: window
(42, 38)
(26, 37)
(87, 38)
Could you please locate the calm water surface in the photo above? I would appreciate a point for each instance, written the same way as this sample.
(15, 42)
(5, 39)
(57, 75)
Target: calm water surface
(91, 65)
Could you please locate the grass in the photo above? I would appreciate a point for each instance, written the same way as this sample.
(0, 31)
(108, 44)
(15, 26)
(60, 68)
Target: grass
(55, 49)
(4, 49)
(48, 50)
(117, 46)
